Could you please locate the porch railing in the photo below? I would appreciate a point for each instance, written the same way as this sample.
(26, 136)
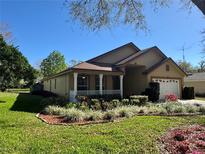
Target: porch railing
(92, 92)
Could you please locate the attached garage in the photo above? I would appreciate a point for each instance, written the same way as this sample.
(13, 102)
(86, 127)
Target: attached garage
(168, 86)
(169, 76)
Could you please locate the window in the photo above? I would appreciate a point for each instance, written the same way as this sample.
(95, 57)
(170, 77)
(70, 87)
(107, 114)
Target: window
(97, 82)
(55, 83)
(82, 82)
(116, 82)
(167, 68)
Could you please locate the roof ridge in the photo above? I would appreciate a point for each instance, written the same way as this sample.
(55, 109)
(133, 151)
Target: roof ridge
(113, 50)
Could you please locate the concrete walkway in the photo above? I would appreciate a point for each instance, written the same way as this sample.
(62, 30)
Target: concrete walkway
(192, 102)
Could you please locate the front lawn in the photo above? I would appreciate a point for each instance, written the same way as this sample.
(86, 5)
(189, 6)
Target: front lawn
(22, 132)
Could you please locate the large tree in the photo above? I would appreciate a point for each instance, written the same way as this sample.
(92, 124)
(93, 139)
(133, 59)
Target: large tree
(98, 14)
(14, 67)
(54, 63)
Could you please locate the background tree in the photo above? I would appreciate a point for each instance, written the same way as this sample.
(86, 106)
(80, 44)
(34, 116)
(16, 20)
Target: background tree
(54, 63)
(6, 33)
(14, 67)
(202, 66)
(73, 62)
(186, 66)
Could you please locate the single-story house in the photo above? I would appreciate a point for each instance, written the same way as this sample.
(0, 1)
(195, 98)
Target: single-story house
(196, 80)
(126, 70)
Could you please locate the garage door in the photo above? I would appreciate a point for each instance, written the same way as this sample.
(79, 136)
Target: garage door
(167, 87)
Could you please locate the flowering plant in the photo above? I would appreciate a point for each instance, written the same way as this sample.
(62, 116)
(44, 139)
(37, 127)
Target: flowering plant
(171, 98)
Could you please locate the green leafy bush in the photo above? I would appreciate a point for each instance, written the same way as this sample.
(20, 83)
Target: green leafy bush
(138, 100)
(71, 105)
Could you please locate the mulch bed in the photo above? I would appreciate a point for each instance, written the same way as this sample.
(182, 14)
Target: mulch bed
(60, 120)
(185, 140)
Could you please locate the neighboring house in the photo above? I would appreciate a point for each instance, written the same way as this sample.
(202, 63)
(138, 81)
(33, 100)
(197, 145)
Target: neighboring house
(126, 70)
(196, 80)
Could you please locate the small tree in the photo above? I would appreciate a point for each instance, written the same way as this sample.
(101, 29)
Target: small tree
(54, 63)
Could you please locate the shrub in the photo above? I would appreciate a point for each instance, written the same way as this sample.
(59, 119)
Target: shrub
(93, 115)
(188, 93)
(202, 109)
(96, 104)
(115, 102)
(152, 92)
(142, 99)
(171, 98)
(157, 109)
(55, 110)
(109, 115)
(71, 105)
(74, 115)
(124, 111)
(174, 107)
(135, 102)
(125, 102)
(143, 110)
(191, 108)
(44, 93)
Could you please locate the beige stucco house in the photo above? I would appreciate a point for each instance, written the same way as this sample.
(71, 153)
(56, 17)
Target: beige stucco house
(126, 70)
(196, 80)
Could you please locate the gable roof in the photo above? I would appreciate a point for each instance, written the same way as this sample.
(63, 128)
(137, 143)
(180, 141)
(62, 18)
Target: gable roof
(113, 51)
(196, 77)
(140, 53)
(152, 68)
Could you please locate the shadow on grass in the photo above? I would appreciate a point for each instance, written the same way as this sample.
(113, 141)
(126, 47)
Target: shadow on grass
(2, 101)
(27, 103)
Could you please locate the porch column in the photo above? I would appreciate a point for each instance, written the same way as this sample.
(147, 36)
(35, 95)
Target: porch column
(75, 75)
(121, 86)
(101, 80)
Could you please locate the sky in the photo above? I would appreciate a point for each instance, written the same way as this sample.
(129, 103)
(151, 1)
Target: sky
(41, 26)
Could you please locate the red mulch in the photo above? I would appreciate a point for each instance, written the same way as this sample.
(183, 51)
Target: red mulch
(60, 120)
(186, 140)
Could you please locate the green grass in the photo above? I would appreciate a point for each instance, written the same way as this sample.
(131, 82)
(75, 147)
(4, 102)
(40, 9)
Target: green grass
(19, 90)
(21, 132)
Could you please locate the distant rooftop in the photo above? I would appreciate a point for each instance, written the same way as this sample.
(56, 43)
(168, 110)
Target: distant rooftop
(195, 77)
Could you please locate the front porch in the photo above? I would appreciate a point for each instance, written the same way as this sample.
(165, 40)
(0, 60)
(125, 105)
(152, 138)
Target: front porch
(96, 83)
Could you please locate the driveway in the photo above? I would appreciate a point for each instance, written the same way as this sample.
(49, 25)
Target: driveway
(192, 102)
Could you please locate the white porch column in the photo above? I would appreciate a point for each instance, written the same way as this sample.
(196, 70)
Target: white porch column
(121, 86)
(75, 75)
(101, 83)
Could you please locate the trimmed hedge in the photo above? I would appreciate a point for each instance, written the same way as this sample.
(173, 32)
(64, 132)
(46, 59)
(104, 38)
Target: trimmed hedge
(152, 92)
(188, 93)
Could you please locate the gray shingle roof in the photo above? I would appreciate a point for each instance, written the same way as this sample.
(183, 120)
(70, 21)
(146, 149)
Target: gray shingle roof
(196, 77)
